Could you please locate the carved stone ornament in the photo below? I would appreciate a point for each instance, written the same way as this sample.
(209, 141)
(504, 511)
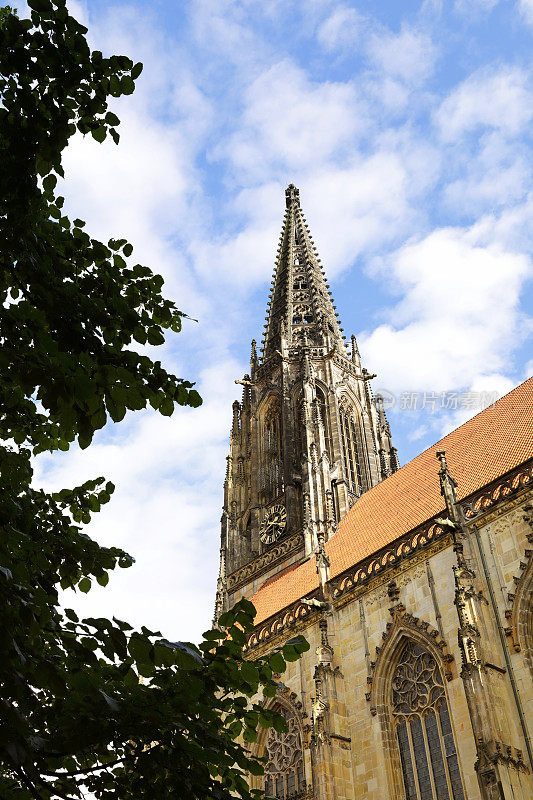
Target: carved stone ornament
(405, 624)
(520, 615)
(417, 682)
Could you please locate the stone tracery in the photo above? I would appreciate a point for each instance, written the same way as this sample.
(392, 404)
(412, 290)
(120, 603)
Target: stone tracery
(284, 774)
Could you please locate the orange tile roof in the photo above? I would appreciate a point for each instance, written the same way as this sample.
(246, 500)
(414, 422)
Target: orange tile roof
(487, 446)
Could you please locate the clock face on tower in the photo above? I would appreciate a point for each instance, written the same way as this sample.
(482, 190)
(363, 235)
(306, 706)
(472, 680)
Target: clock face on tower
(273, 525)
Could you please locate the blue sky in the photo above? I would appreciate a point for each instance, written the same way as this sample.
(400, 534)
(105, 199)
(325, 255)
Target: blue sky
(407, 128)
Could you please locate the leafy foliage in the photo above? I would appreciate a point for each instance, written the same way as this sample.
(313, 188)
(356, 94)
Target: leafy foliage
(90, 704)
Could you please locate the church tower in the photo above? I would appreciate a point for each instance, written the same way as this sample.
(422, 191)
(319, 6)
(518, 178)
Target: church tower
(308, 437)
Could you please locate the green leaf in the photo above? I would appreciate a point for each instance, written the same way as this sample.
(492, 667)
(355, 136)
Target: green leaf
(99, 133)
(167, 407)
(127, 85)
(277, 663)
(140, 648)
(84, 585)
(249, 672)
(49, 183)
(290, 653)
(112, 119)
(40, 5)
(255, 768)
(279, 724)
(127, 250)
(136, 70)
(299, 642)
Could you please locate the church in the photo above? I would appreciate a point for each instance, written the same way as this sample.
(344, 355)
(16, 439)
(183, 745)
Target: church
(413, 584)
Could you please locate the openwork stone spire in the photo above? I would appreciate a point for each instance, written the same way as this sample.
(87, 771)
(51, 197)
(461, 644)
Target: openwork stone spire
(300, 304)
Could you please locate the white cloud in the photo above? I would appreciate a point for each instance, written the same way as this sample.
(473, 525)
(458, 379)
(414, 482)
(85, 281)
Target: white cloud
(166, 508)
(341, 30)
(494, 98)
(526, 10)
(471, 8)
(483, 391)
(497, 173)
(289, 120)
(408, 55)
(458, 318)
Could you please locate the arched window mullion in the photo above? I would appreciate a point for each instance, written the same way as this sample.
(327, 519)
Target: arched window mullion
(444, 759)
(271, 474)
(412, 787)
(450, 753)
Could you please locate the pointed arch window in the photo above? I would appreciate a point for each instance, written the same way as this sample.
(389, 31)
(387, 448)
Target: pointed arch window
(300, 283)
(271, 472)
(284, 773)
(423, 729)
(351, 450)
(324, 416)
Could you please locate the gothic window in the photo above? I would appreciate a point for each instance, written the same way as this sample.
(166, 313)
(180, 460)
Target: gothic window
(424, 734)
(284, 773)
(351, 449)
(324, 416)
(271, 474)
(299, 284)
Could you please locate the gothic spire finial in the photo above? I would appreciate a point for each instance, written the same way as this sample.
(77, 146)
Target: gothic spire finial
(292, 195)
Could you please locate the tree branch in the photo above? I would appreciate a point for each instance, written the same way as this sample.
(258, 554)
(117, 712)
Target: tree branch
(99, 766)
(31, 788)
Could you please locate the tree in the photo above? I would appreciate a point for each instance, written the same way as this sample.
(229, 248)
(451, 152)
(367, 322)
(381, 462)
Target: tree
(90, 704)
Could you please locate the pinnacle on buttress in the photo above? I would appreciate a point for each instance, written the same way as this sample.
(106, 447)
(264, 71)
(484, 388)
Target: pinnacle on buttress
(253, 357)
(382, 417)
(448, 486)
(236, 415)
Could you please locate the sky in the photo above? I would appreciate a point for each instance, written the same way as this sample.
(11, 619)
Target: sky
(407, 128)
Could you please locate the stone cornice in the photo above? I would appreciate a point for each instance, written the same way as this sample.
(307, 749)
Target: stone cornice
(506, 490)
(288, 546)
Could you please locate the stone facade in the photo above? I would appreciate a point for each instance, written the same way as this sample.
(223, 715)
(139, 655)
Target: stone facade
(418, 684)
(345, 701)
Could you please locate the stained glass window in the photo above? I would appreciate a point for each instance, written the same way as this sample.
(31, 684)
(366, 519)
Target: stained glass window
(284, 773)
(428, 756)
